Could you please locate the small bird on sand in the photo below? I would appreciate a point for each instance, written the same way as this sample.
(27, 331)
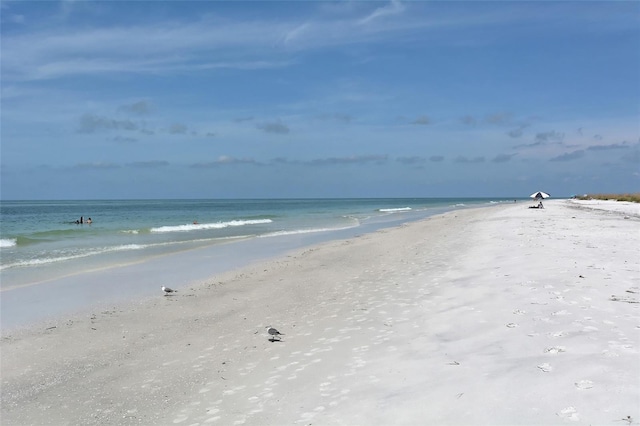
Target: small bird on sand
(167, 290)
(273, 332)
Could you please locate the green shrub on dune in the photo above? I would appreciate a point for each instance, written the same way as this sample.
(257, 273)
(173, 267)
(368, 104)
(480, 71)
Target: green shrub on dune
(634, 198)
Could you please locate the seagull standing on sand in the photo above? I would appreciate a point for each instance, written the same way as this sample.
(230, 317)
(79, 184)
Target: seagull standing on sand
(273, 332)
(167, 290)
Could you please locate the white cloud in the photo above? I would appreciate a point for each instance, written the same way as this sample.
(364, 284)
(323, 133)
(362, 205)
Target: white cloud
(295, 33)
(181, 46)
(393, 8)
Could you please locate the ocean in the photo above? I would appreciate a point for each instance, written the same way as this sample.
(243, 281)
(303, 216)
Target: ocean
(42, 247)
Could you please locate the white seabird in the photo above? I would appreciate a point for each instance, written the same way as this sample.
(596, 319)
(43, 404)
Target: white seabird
(273, 332)
(167, 290)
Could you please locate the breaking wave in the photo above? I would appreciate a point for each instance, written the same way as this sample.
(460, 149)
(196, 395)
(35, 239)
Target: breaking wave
(215, 225)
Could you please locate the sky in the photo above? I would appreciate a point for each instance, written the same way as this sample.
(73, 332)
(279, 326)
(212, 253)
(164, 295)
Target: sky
(289, 99)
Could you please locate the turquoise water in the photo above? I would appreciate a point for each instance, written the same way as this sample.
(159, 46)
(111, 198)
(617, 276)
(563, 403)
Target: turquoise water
(41, 239)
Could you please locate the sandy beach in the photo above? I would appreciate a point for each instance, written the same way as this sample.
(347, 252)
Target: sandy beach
(501, 315)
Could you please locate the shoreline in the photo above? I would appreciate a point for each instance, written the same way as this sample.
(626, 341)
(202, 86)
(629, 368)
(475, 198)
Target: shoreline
(62, 297)
(478, 316)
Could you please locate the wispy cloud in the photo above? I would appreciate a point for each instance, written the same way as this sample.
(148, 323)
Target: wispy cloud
(411, 161)
(422, 120)
(138, 108)
(549, 137)
(90, 123)
(17, 19)
(207, 42)
(178, 129)
(154, 164)
(498, 118)
(394, 8)
(543, 139)
(516, 133)
(282, 161)
(96, 166)
(296, 33)
(569, 156)
(529, 145)
(124, 139)
(274, 127)
(147, 48)
(225, 160)
(243, 119)
(469, 120)
(343, 118)
(357, 160)
(610, 147)
(194, 45)
(464, 160)
(503, 158)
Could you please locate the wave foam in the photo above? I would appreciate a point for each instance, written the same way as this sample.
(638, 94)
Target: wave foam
(216, 225)
(303, 231)
(399, 209)
(49, 260)
(8, 242)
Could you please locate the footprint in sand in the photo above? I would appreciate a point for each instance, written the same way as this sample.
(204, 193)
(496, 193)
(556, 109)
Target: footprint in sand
(610, 354)
(584, 384)
(546, 367)
(569, 413)
(555, 350)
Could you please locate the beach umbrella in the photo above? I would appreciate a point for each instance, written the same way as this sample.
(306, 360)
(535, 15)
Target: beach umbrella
(539, 194)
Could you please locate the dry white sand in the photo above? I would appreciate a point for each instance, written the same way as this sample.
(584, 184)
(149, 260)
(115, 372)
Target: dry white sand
(502, 315)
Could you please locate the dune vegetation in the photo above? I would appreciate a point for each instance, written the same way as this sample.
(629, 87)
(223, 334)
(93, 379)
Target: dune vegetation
(634, 198)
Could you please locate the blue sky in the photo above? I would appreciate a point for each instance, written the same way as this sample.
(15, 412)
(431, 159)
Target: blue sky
(318, 99)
